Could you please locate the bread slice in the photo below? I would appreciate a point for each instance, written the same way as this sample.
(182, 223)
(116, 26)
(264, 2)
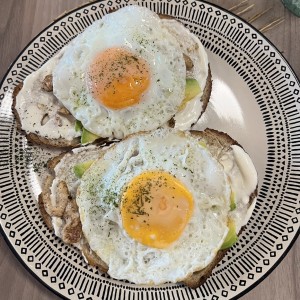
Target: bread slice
(65, 209)
(64, 143)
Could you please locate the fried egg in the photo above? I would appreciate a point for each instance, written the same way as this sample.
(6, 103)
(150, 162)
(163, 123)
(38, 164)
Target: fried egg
(125, 73)
(151, 200)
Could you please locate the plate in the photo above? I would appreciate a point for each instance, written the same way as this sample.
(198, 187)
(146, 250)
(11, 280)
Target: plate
(255, 99)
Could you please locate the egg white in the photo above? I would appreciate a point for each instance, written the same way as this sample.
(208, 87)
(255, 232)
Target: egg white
(99, 194)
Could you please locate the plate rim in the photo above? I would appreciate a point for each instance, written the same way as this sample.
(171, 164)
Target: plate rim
(65, 14)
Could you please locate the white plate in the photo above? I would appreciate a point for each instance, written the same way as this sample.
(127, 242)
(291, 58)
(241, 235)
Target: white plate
(255, 99)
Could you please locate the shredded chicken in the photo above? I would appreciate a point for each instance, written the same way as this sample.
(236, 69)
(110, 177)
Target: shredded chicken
(47, 84)
(63, 111)
(72, 230)
(56, 209)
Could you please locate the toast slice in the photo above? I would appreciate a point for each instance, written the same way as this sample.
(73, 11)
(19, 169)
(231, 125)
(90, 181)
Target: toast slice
(62, 214)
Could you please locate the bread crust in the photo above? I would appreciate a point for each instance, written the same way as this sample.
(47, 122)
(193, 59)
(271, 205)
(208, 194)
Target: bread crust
(52, 163)
(35, 138)
(46, 217)
(199, 277)
(206, 92)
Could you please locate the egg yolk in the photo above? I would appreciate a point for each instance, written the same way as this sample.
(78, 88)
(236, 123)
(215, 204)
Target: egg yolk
(117, 78)
(155, 208)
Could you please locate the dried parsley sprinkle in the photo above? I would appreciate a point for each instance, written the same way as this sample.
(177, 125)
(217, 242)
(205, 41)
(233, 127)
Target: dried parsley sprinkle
(111, 197)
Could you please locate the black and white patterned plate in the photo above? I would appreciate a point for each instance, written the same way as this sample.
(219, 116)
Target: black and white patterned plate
(255, 99)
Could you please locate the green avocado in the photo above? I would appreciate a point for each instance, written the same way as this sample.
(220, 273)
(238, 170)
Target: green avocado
(78, 126)
(192, 89)
(80, 168)
(87, 137)
(232, 201)
(231, 237)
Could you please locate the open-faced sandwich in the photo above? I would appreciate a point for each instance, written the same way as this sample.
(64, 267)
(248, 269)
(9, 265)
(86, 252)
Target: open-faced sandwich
(157, 207)
(131, 71)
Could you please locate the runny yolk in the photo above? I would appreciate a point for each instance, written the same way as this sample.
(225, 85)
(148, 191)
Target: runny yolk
(117, 78)
(156, 208)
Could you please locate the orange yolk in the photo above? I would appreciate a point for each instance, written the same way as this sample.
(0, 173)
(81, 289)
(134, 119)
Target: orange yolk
(118, 78)
(155, 208)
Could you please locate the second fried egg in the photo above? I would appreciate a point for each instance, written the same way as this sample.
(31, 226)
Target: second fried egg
(152, 200)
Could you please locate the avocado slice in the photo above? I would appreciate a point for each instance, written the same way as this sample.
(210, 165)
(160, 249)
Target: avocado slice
(203, 144)
(78, 126)
(87, 137)
(232, 201)
(231, 237)
(192, 89)
(80, 168)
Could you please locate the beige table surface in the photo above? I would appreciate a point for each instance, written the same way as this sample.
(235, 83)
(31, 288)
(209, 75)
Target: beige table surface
(21, 20)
